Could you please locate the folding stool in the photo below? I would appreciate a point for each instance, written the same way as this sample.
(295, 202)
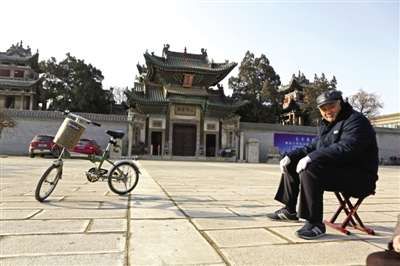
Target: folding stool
(352, 218)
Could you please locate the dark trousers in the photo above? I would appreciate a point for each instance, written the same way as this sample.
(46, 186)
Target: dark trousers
(311, 184)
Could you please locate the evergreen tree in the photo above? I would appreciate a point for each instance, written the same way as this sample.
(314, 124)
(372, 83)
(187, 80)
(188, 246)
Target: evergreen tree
(257, 82)
(319, 85)
(74, 85)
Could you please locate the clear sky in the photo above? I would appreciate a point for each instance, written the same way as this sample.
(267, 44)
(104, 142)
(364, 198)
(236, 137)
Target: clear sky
(357, 41)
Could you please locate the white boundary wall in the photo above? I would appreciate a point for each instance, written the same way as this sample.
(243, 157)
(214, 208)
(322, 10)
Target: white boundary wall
(15, 140)
(388, 138)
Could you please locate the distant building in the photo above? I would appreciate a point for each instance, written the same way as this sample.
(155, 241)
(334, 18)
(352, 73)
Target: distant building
(293, 101)
(388, 121)
(19, 80)
(175, 111)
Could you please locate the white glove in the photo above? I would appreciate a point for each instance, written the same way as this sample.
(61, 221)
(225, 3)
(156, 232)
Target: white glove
(283, 163)
(302, 164)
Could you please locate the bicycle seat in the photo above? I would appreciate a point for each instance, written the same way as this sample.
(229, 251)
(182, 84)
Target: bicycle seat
(115, 134)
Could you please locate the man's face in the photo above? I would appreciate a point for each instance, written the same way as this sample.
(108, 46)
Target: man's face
(330, 111)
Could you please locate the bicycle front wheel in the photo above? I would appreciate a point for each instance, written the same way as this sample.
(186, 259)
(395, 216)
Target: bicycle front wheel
(123, 178)
(48, 182)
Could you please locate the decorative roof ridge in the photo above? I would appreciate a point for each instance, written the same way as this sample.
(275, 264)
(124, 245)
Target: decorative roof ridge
(157, 57)
(167, 53)
(18, 50)
(187, 55)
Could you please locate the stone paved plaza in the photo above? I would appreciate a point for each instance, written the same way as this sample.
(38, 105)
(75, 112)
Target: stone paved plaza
(181, 213)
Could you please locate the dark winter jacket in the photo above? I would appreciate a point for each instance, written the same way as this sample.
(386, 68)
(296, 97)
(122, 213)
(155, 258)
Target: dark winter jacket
(348, 142)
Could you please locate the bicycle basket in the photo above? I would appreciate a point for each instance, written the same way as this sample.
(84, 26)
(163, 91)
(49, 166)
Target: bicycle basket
(69, 133)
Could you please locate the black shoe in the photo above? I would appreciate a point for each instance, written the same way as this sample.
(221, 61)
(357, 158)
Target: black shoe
(283, 215)
(311, 231)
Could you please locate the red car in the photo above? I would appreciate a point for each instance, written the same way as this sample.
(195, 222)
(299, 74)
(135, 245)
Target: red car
(43, 144)
(87, 146)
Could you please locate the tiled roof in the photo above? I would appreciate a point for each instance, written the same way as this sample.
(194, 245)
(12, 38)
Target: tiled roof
(171, 67)
(14, 58)
(187, 62)
(15, 83)
(152, 95)
(186, 91)
(213, 100)
(295, 82)
(18, 54)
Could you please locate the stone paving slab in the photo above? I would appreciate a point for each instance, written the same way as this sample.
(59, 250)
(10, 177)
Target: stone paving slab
(191, 198)
(185, 245)
(152, 204)
(380, 200)
(107, 259)
(80, 214)
(24, 199)
(100, 198)
(20, 227)
(108, 225)
(384, 232)
(156, 213)
(244, 237)
(39, 245)
(238, 222)
(17, 214)
(254, 211)
(329, 253)
(201, 212)
(229, 203)
(53, 205)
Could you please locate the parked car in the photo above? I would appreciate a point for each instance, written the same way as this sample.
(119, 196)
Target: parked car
(43, 145)
(87, 146)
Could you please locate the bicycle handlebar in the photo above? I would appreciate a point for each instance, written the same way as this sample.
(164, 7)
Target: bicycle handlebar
(96, 124)
(68, 113)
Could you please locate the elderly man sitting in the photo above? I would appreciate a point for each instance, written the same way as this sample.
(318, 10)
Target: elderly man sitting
(343, 157)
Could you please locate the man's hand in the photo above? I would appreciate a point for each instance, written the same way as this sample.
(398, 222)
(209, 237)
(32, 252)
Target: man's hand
(283, 163)
(303, 164)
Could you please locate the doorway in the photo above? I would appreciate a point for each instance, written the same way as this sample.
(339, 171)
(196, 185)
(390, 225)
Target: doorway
(184, 140)
(156, 142)
(210, 145)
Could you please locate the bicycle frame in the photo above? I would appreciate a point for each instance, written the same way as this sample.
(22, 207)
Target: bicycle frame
(105, 157)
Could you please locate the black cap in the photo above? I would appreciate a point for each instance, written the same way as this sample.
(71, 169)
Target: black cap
(329, 97)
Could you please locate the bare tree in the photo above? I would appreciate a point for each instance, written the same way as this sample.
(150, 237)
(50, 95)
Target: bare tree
(366, 103)
(119, 94)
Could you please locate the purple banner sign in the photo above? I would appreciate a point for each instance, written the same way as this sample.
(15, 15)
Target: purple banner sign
(287, 142)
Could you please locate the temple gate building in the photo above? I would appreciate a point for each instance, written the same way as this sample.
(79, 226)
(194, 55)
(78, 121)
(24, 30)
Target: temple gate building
(293, 101)
(19, 80)
(175, 111)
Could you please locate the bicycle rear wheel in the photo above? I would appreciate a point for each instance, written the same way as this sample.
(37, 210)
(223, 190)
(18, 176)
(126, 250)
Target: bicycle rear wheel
(123, 178)
(48, 182)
